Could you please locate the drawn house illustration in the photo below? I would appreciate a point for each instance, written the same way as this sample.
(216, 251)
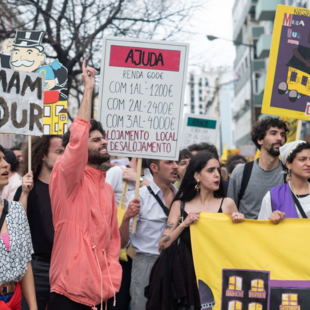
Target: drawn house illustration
(254, 290)
(53, 112)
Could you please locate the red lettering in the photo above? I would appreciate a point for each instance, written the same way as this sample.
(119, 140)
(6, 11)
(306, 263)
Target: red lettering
(287, 19)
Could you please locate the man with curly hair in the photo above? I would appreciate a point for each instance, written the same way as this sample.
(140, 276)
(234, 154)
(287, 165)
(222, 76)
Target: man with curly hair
(268, 135)
(44, 152)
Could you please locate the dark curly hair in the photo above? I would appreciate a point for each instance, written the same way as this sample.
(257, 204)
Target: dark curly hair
(39, 148)
(260, 128)
(95, 125)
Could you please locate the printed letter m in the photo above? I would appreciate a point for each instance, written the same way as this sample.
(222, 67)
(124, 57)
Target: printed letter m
(287, 19)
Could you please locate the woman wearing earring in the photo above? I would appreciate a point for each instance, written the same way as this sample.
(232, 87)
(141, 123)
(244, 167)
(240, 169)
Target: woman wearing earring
(292, 199)
(201, 191)
(15, 247)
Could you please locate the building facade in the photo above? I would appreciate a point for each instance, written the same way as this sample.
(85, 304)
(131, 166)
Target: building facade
(252, 32)
(212, 93)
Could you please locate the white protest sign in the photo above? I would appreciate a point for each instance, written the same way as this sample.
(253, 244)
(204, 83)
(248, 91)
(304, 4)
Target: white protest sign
(141, 96)
(21, 101)
(200, 128)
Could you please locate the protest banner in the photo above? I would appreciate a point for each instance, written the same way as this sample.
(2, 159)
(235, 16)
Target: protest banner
(287, 88)
(141, 99)
(26, 53)
(21, 102)
(200, 128)
(141, 96)
(244, 268)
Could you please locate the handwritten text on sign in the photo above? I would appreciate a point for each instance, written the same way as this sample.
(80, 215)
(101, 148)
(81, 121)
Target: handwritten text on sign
(200, 128)
(21, 101)
(141, 97)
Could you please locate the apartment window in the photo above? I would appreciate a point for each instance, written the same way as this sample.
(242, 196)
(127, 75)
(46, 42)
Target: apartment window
(206, 82)
(289, 299)
(234, 305)
(255, 306)
(234, 287)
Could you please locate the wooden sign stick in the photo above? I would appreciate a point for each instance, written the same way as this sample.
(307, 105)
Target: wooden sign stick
(298, 130)
(139, 167)
(29, 154)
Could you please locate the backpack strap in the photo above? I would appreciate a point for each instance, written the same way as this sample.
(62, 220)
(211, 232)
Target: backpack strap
(245, 180)
(5, 211)
(165, 209)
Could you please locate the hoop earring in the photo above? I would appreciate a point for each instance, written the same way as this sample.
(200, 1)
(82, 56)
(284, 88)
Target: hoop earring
(197, 187)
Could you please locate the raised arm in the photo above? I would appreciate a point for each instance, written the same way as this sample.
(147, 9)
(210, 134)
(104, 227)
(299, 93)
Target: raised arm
(173, 229)
(68, 171)
(88, 77)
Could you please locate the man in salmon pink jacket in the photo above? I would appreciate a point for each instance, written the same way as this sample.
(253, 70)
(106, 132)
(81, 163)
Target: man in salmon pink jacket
(85, 269)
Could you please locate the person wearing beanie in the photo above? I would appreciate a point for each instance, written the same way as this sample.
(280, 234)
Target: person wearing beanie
(292, 199)
(15, 180)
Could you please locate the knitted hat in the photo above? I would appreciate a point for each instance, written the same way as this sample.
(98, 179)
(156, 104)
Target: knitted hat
(287, 149)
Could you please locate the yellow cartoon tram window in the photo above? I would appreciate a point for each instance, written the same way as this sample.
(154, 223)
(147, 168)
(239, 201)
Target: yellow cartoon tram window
(234, 305)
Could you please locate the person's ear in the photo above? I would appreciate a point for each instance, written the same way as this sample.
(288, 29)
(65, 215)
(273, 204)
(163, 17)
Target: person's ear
(288, 165)
(197, 176)
(154, 167)
(260, 142)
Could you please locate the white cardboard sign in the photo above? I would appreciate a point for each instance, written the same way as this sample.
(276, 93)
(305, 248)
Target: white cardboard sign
(21, 102)
(200, 128)
(141, 96)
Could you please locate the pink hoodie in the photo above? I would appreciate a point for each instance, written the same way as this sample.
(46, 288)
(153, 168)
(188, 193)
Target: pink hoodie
(87, 241)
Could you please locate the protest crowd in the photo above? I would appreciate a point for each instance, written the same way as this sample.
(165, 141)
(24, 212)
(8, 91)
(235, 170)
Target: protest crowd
(79, 232)
(62, 246)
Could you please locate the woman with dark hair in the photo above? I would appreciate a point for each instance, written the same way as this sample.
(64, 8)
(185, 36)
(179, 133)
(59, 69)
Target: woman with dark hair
(292, 199)
(201, 191)
(15, 249)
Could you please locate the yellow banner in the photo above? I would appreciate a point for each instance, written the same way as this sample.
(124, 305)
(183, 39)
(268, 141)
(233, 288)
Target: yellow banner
(254, 265)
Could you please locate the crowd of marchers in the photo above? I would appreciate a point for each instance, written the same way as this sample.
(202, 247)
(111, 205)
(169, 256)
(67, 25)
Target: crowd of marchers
(63, 244)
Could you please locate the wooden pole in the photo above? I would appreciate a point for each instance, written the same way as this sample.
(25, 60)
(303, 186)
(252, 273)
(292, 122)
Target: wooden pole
(29, 154)
(139, 167)
(298, 130)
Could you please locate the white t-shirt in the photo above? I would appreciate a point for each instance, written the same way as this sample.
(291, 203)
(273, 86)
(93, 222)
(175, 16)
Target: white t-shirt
(115, 179)
(266, 209)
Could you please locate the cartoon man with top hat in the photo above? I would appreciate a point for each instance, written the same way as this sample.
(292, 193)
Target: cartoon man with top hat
(25, 53)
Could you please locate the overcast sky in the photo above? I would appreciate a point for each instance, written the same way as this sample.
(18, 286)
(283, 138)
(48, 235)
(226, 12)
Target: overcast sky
(215, 18)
